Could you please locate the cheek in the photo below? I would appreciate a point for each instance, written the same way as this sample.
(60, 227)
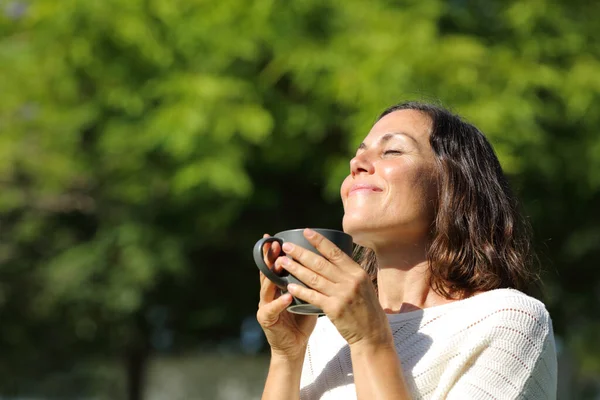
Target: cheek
(401, 176)
(345, 187)
(411, 182)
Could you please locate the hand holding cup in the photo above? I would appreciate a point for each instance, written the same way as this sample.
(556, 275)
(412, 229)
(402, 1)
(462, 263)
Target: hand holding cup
(286, 333)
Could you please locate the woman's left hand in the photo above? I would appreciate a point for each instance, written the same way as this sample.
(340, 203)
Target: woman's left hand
(340, 287)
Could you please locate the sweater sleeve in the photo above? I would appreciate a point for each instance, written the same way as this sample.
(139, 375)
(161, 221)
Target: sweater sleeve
(511, 355)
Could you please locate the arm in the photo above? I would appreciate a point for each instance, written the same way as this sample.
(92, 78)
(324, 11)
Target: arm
(377, 372)
(286, 333)
(283, 379)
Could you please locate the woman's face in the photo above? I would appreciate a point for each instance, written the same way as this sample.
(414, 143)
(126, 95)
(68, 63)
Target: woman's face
(388, 196)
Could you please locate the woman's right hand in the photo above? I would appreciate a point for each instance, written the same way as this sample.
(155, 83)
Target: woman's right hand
(287, 333)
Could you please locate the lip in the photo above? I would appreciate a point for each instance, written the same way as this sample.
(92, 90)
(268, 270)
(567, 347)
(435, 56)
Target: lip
(363, 188)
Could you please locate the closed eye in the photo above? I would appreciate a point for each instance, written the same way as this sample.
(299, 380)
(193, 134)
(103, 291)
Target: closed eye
(392, 152)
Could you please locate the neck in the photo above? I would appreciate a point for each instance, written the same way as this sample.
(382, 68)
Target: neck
(403, 278)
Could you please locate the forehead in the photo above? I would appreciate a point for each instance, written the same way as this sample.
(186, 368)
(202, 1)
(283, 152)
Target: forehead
(412, 122)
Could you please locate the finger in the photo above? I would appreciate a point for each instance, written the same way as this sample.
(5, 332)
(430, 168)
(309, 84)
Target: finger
(262, 277)
(268, 313)
(314, 262)
(266, 249)
(327, 249)
(307, 276)
(271, 251)
(274, 252)
(277, 268)
(268, 291)
(310, 296)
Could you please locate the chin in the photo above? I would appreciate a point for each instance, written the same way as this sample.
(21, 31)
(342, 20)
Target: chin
(369, 231)
(361, 230)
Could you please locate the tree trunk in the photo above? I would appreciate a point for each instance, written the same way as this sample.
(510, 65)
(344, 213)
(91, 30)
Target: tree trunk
(135, 364)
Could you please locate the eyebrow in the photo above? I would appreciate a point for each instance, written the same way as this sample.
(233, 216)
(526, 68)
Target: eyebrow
(389, 136)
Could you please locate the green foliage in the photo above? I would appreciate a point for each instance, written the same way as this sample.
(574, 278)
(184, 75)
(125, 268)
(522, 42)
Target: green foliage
(145, 144)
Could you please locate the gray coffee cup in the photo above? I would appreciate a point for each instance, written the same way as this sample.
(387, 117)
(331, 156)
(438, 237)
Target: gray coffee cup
(296, 236)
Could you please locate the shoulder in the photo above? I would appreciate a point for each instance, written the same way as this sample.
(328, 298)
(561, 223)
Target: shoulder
(500, 314)
(488, 309)
(512, 306)
(512, 317)
(508, 343)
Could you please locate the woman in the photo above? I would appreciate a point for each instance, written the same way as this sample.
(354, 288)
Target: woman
(434, 308)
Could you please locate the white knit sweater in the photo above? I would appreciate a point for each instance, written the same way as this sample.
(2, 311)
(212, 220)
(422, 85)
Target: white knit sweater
(496, 345)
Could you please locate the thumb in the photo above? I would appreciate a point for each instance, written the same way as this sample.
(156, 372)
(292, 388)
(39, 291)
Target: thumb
(268, 315)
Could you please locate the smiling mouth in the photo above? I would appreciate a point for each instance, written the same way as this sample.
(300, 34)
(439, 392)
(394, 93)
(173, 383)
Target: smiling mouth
(363, 190)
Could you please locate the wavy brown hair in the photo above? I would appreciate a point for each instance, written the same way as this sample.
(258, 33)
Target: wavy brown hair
(478, 240)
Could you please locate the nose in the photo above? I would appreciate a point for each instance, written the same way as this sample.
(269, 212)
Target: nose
(361, 164)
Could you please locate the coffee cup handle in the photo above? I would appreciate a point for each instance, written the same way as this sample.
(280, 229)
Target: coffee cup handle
(280, 281)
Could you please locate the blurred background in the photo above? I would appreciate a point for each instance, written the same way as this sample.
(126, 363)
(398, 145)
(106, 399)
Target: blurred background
(145, 145)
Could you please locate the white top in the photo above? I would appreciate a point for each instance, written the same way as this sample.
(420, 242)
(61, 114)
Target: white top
(495, 345)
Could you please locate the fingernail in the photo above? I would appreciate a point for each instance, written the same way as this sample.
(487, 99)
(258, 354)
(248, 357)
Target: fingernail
(287, 247)
(292, 287)
(286, 297)
(309, 232)
(284, 260)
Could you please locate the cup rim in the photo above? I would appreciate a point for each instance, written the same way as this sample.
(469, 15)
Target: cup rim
(314, 229)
